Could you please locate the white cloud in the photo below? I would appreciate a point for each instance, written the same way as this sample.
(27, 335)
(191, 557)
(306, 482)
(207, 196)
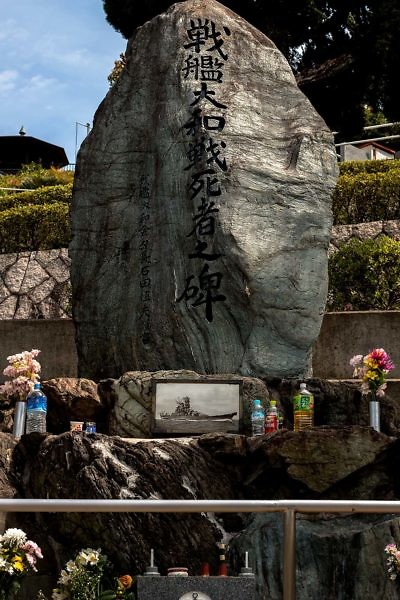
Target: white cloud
(8, 80)
(38, 82)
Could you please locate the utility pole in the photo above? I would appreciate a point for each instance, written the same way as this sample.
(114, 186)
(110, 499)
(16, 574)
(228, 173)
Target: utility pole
(87, 127)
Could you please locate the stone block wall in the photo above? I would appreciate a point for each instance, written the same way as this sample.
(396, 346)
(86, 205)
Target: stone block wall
(35, 285)
(342, 234)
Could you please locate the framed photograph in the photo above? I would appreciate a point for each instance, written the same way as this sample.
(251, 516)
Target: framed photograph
(187, 407)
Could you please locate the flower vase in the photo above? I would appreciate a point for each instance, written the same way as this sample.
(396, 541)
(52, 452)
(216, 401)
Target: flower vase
(374, 413)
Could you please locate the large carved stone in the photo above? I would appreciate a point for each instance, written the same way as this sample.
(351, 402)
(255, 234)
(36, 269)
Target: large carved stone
(201, 210)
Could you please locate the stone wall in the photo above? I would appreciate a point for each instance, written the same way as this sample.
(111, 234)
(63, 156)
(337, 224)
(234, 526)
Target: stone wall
(342, 234)
(35, 285)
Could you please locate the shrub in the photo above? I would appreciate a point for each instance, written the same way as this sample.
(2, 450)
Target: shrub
(354, 167)
(366, 197)
(33, 176)
(43, 195)
(36, 227)
(365, 275)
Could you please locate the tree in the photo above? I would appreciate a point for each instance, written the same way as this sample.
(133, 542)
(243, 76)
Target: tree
(345, 54)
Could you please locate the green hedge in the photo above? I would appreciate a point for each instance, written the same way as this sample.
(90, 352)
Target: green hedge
(365, 275)
(367, 197)
(35, 227)
(367, 191)
(43, 195)
(354, 167)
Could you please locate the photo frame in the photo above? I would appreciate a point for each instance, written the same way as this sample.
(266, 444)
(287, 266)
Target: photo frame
(194, 407)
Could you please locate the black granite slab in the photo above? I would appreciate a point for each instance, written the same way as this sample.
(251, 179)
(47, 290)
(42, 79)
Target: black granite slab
(196, 588)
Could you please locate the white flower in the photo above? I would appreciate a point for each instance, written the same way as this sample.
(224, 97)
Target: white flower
(64, 578)
(59, 595)
(71, 566)
(13, 537)
(88, 557)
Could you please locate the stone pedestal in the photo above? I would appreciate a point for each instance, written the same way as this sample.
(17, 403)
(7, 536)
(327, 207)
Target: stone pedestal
(199, 588)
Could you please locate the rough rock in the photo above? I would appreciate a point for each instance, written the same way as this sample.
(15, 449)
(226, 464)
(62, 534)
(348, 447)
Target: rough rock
(200, 238)
(338, 558)
(96, 466)
(7, 487)
(322, 461)
(71, 399)
(218, 466)
(131, 398)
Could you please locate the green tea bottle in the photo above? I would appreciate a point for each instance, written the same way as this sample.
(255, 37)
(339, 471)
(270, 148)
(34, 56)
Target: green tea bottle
(303, 409)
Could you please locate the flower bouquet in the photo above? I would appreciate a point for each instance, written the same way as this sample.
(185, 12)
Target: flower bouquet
(393, 560)
(24, 370)
(18, 556)
(372, 370)
(82, 579)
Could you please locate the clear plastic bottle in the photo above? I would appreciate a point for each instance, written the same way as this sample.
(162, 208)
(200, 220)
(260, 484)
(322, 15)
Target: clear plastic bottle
(303, 409)
(257, 418)
(271, 419)
(36, 410)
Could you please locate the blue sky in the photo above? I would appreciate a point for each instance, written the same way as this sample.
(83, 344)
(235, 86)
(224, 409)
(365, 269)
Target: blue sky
(55, 57)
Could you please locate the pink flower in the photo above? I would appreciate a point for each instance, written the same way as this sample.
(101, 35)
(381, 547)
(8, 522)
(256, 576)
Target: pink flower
(32, 548)
(356, 361)
(380, 392)
(382, 359)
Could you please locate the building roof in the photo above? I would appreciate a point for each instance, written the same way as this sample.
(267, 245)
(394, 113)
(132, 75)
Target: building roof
(18, 150)
(375, 145)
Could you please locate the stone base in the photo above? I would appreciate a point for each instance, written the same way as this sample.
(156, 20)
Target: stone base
(201, 588)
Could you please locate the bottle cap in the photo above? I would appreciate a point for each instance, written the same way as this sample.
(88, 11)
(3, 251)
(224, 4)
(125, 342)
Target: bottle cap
(273, 403)
(257, 402)
(303, 386)
(36, 385)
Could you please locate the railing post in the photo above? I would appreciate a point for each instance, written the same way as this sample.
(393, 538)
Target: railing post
(289, 555)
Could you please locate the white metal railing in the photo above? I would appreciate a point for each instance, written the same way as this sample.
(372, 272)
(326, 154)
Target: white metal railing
(289, 508)
(15, 189)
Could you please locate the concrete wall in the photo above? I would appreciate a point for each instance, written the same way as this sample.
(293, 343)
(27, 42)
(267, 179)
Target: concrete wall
(54, 337)
(345, 334)
(342, 335)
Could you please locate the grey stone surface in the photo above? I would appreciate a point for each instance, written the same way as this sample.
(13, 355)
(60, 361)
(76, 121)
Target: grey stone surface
(338, 557)
(140, 301)
(35, 285)
(182, 588)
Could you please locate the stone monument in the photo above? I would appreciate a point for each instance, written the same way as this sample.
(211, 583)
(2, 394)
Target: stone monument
(201, 210)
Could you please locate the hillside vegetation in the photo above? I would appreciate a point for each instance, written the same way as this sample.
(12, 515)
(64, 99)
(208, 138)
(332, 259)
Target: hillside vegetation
(36, 219)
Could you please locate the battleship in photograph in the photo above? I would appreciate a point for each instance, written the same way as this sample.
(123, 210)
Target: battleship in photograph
(187, 420)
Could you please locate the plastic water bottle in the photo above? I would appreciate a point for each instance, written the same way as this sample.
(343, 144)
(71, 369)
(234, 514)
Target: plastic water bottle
(257, 418)
(271, 420)
(303, 409)
(36, 410)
